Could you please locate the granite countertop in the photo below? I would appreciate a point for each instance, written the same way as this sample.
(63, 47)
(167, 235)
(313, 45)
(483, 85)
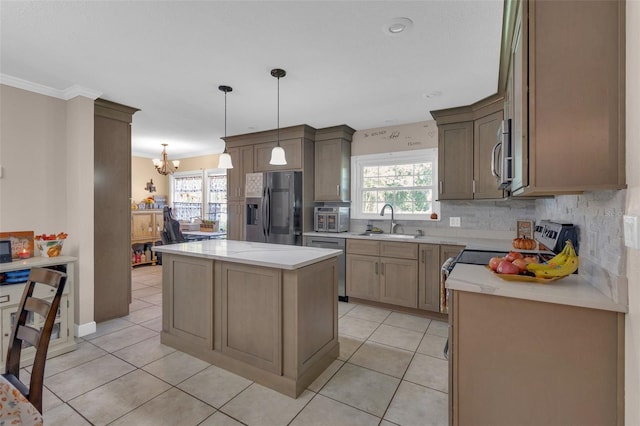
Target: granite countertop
(573, 290)
(279, 256)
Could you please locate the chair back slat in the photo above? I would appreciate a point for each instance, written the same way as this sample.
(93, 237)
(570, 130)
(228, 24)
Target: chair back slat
(46, 276)
(38, 338)
(29, 335)
(39, 306)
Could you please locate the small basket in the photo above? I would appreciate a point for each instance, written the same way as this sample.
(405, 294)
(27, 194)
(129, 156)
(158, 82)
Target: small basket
(49, 248)
(210, 226)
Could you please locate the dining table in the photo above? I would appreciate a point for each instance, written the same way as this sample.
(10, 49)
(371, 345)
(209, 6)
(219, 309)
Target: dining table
(15, 409)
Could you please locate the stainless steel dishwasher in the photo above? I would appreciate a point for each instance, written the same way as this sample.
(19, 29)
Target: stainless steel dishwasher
(336, 244)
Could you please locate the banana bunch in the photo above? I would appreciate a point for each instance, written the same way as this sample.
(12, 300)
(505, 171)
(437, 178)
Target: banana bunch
(563, 264)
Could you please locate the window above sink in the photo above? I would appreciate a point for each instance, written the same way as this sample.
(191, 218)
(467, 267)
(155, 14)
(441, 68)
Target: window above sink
(407, 180)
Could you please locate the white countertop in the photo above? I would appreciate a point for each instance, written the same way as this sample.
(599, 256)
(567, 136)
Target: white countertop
(34, 262)
(589, 290)
(279, 256)
(470, 243)
(573, 290)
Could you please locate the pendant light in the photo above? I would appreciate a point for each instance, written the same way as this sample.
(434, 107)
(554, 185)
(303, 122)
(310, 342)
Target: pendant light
(224, 162)
(277, 154)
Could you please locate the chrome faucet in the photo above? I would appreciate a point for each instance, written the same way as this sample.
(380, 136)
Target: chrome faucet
(393, 225)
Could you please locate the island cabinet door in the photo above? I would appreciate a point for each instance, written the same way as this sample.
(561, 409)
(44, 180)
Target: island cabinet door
(187, 286)
(251, 320)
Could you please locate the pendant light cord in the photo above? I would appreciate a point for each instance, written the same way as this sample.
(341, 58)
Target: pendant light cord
(225, 120)
(278, 111)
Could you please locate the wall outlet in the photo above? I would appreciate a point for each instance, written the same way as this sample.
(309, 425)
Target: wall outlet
(454, 221)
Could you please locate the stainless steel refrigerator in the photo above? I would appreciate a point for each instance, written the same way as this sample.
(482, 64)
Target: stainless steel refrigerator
(276, 216)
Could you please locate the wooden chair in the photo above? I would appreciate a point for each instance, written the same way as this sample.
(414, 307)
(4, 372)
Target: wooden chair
(39, 339)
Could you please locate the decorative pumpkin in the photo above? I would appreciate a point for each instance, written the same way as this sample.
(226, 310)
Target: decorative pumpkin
(525, 243)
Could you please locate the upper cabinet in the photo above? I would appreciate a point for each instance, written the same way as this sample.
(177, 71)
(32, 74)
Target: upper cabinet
(467, 137)
(242, 159)
(333, 163)
(292, 151)
(563, 77)
(251, 153)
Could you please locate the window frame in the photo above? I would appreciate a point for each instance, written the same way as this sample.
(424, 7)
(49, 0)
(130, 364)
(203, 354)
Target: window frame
(203, 174)
(390, 158)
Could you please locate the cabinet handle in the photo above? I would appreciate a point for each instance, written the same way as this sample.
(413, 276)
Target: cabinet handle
(440, 190)
(381, 268)
(338, 190)
(376, 268)
(473, 186)
(422, 255)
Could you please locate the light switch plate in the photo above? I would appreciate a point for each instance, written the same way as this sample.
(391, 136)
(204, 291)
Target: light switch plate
(454, 222)
(631, 232)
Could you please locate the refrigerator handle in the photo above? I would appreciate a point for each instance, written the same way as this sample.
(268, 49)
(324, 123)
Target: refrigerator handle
(268, 216)
(264, 212)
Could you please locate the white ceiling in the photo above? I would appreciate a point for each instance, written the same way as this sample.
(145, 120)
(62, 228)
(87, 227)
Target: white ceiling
(169, 57)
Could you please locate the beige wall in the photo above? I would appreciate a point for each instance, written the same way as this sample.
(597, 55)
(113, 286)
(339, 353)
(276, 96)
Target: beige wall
(404, 137)
(142, 170)
(46, 152)
(632, 335)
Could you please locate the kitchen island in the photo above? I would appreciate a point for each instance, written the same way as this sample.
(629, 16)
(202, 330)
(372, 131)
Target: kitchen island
(267, 312)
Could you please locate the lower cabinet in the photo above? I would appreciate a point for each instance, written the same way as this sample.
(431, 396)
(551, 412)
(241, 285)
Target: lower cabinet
(187, 299)
(398, 273)
(383, 271)
(429, 277)
(251, 315)
(523, 362)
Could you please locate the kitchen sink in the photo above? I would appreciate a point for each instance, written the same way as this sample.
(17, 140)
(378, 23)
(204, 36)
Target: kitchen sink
(403, 236)
(391, 236)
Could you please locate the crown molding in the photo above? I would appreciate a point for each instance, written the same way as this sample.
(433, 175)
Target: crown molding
(66, 94)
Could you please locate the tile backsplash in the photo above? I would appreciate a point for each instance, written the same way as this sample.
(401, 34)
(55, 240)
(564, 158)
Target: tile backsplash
(598, 216)
(599, 219)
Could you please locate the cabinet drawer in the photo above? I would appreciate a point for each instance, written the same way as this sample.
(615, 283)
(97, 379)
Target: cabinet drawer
(399, 250)
(366, 247)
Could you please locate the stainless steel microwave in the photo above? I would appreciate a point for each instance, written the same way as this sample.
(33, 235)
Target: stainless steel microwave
(502, 156)
(331, 219)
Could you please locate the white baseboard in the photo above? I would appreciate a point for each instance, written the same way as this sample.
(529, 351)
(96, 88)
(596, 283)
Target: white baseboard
(85, 329)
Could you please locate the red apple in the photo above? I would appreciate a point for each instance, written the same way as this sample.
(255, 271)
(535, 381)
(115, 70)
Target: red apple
(506, 267)
(521, 264)
(513, 255)
(494, 262)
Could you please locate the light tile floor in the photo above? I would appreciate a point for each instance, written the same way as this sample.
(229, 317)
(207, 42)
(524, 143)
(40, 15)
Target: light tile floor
(390, 371)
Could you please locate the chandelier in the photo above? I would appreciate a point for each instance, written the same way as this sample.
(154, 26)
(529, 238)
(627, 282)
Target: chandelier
(162, 166)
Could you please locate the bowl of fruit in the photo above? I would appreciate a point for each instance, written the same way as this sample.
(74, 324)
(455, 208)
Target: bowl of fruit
(50, 245)
(518, 267)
